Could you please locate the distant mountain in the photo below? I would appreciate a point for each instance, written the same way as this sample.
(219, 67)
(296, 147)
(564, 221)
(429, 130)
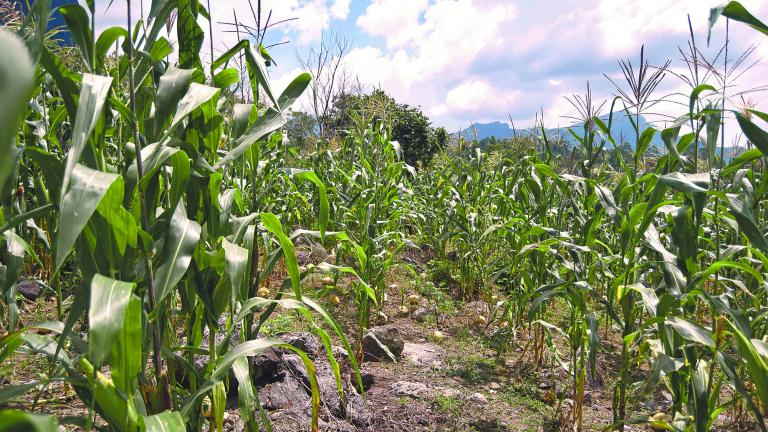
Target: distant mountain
(621, 129)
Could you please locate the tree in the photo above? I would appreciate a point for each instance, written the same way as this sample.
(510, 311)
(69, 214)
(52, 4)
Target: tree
(329, 78)
(301, 129)
(409, 126)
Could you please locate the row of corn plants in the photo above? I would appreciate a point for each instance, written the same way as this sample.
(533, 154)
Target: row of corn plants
(173, 201)
(169, 199)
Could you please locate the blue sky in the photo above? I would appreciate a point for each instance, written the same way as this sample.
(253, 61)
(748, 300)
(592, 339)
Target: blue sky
(485, 60)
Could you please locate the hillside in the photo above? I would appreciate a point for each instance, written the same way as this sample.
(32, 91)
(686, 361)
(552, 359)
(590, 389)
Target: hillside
(621, 127)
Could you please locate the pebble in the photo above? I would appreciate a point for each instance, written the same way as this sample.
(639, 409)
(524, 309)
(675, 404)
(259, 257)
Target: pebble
(478, 398)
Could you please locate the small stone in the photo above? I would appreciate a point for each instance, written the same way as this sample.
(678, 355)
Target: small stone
(544, 385)
(383, 336)
(413, 299)
(438, 336)
(303, 341)
(407, 388)
(339, 352)
(587, 399)
(30, 288)
(421, 314)
(448, 392)
(263, 292)
(334, 299)
(478, 398)
(327, 281)
(368, 380)
(658, 421)
(479, 321)
(494, 386)
(403, 311)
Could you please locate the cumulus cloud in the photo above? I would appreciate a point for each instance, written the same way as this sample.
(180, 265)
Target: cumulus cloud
(477, 60)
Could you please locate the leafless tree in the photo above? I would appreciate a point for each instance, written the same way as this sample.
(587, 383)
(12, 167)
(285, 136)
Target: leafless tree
(329, 77)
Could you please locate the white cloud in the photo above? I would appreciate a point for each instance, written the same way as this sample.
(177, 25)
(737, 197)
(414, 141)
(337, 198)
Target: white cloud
(428, 47)
(340, 9)
(464, 60)
(395, 20)
(624, 25)
(476, 99)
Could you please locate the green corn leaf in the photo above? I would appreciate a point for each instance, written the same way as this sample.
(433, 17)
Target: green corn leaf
(273, 225)
(93, 96)
(687, 183)
(739, 161)
(747, 223)
(166, 421)
(257, 70)
(126, 359)
(323, 198)
(226, 78)
(270, 121)
(236, 263)
(106, 315)
(9, 393)
(691, 331)
(15, 251)
(194, 98)
(190, 37)
(174, 84)
(105, 42)
(79, 26)
(182, 237)
(735, 11)
(119, 411)
(754, 134)
(756, 366)
(87, 188)
(246, 396)
(242, 115)
(294, 91)
(13, 420)
(16, 77)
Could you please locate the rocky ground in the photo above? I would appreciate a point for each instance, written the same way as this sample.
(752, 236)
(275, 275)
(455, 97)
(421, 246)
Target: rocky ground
(446, 371)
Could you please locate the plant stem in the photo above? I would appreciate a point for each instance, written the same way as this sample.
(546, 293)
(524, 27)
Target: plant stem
(156, 330)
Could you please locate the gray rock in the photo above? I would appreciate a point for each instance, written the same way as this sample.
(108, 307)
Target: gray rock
(339, 352)
(309, 252)
(478, 398)
(494, 386)
(410, 389)
(424, 354)
(304, 341)
(449, 392)
(366, 377)
(30, 288)
(421, 314)
(352, 407)
(377, 338)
